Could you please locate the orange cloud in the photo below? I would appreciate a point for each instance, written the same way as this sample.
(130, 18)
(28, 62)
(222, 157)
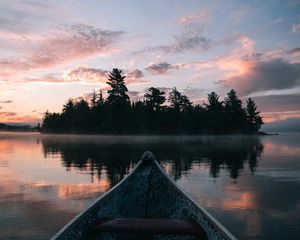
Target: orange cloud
(13, 117)
(279, 116)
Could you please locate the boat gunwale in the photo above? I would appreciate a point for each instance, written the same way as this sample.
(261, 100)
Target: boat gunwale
(213, 221)
(94, 204)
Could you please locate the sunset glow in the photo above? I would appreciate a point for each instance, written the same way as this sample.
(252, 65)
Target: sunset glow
(56, 50)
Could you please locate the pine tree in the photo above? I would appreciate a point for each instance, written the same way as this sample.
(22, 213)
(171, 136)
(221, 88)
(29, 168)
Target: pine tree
(118, 92)
(94, 99)
(178, 101)
(254, 120)
(215, 114)
(155, 98)
(235, 114)
(97, 99)
(214, 105)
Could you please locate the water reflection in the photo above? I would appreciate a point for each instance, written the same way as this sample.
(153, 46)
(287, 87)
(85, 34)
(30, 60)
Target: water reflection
(247, 183)
(231, 153)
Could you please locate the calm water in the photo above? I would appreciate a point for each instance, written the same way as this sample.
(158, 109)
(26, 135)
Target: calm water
(250, 184)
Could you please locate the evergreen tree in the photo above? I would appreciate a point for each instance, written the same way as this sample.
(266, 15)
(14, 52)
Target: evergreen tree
(214, 105)
(178, 101)
(94, 99)
(100, 100)
(155, 98)
(68, 115)
(97, 99)
(68, 108)
(235, 114)
(118, 92)
(254, 120)
(215, 114)
(81, 120)
(117, 116)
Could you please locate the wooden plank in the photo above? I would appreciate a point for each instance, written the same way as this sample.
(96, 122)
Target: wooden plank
(149, 225)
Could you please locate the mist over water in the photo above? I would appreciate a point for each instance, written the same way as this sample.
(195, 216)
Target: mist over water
(248, 183)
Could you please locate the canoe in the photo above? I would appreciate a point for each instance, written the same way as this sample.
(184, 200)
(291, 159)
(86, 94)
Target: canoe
(147, 204)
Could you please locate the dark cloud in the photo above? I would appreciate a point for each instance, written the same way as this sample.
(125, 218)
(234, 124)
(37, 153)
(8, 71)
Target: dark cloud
(278, 103)
(191, 38)
(252, 57)
(6, 101)
(160, 68)
(294, 51)
(87, 74)
(135, 76)
(135, 96)
(220, 81)
(263, 76)
(136, 73)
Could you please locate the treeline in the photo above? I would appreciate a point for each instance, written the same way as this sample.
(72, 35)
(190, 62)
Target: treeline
(156, 114)
(14, 128)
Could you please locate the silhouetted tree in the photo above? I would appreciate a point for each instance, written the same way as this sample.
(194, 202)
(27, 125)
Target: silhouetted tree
(178, 101)
(118, 116)
(254, 121)
(97, 99)
(94, 99)
(118, 92)
(235, 114)
(215, 114)
(81, 119)
(155, 98)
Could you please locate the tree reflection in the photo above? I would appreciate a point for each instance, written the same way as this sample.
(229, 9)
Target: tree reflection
(222, 152)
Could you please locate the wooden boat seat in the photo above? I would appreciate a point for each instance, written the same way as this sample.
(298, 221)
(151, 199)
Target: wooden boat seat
(150, 226)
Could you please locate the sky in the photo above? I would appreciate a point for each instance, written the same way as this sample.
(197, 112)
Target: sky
(51, 51)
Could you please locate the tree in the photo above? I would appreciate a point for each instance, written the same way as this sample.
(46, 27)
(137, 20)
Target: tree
(94, 99)
(178, 101)
(215, 114)
(97, 99)
(118, 92)
(235, 114)
(214, 105)
(81, 119)
(232, 102)
(68, 108)
(254, 120)
(155, 98)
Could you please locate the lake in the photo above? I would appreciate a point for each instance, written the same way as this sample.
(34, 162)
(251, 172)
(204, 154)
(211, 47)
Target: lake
(250, 184)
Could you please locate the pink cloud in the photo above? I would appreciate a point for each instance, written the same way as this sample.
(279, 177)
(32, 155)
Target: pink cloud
(279, 116)
(7, 114)
(87, 74)
(94, 75)
(64, 44)
(196, 17)
(249, 71)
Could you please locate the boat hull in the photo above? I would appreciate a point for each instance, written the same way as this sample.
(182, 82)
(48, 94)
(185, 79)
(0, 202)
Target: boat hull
(145, 193)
